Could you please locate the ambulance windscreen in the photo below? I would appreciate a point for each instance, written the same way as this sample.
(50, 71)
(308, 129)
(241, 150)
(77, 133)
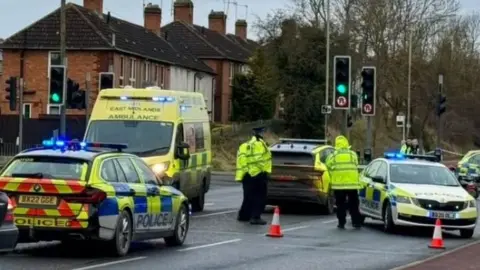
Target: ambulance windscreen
(144, 138)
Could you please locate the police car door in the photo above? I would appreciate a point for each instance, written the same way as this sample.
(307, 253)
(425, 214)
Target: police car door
(138, 192)
(380, 189)
(366, 193)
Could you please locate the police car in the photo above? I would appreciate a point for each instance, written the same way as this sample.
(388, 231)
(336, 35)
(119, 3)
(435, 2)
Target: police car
(413, 190)
(91, 191)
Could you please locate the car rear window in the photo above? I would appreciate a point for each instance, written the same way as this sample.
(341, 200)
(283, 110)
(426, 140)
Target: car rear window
(60, 168)
(292, 158)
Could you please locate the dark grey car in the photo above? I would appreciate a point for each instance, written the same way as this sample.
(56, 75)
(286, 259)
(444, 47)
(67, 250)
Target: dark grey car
(8, 230)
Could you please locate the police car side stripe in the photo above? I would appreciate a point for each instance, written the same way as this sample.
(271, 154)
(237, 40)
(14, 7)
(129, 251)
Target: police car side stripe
(141, 205)
(362, 192)
(121, 189)
(167, 204)
(109, 207)
(376, 195)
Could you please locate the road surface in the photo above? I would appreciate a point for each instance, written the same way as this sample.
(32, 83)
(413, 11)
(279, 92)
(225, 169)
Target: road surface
(217, 241)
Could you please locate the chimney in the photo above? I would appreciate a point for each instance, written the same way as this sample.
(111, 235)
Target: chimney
(183, 11)
(153, 18)
(94, 5)
(217, 21)
(241, 29)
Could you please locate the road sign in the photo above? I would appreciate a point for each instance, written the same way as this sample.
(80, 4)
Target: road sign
(342, 101)
(367, 108)
(400, 120)
(326, 109)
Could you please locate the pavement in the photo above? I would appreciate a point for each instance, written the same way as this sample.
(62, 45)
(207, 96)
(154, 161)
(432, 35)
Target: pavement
(217, 241)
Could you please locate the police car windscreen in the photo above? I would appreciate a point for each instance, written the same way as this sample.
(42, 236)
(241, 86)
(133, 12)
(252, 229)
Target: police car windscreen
(292, 158)
(422, 175)
(60, 168)
(144, 138)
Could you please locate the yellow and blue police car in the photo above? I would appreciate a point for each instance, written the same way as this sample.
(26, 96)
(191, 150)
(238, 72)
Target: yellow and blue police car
(299, 173)
(67, 190)
(414, 190)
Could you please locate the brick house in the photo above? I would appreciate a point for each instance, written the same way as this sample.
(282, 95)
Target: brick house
(226, 54)
(98, 42)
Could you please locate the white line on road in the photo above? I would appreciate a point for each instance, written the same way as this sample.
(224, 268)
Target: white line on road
(216, 213)
(209, 204)
(109, 263)
(211, 245)
(329, 221)
(295, 228)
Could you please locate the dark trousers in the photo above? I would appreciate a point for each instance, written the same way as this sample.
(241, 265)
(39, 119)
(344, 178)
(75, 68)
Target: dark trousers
(352, 204)
(254, 196)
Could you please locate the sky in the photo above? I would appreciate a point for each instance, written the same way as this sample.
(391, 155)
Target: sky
(18, 14)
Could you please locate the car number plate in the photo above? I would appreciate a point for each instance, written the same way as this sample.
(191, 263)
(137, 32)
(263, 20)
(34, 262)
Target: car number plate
(442, 215)
(37, 200)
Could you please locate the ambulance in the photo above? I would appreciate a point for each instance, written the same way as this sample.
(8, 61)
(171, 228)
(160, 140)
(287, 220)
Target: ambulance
(169, 130)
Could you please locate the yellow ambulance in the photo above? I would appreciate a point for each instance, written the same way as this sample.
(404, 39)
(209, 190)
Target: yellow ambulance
(170, 130)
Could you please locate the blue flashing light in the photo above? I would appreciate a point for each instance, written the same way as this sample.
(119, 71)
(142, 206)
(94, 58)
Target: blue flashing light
(183, 108)
(163, 99)
(76, 145)
(83, 144)
(123, 98)
(394, 156)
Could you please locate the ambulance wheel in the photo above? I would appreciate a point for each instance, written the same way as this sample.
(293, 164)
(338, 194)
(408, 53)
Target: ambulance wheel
(120, 244)
(388, 225)
(198, 203)
(181, 228)
(466, 233)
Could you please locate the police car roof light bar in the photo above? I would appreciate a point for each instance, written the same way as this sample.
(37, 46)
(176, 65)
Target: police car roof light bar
(77, 145)
(394, 156)
(307, 141)
(424, 157)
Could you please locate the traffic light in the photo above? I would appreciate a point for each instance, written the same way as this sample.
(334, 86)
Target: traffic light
(12, 92)
(107, 80)
(341, 82)
(441, 105)
(369, 90)
(75, 96)
(349, 121)
(57, 82)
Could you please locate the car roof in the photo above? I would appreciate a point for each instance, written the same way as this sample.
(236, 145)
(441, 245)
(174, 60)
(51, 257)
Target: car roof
(88, 155)
(411, 162)
(306, 148)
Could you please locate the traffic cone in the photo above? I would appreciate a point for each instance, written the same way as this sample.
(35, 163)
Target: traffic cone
(275, 230)
(437, 240)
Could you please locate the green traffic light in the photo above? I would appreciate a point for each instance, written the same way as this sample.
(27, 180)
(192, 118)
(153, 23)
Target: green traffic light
(341, 88)
(55, 98)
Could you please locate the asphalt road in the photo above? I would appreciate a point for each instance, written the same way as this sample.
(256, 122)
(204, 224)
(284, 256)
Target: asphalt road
(217, 241)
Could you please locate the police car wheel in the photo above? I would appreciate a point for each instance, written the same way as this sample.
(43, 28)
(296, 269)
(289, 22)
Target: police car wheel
(181, 228)
(120, 244)
(466, 233)
(388, 225)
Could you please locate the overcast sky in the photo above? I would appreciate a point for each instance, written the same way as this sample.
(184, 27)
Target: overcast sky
(17, 14)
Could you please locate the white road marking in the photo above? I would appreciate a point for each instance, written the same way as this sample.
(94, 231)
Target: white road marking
(211, 245)
(295, 228)
(329, 221)
(109, 263)
(215, 214)
(406, 266)
(209, 204)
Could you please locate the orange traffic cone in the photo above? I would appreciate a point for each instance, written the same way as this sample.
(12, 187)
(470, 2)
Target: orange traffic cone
(275, 230)
(437, 240)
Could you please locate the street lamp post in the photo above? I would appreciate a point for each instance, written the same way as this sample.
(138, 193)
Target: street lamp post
(327, 64)
(409, 87)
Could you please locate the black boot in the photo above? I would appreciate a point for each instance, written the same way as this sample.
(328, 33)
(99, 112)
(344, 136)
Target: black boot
(257, 221)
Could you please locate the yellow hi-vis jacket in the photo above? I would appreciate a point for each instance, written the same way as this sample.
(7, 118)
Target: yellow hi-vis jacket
(343, 166)
(253, 157)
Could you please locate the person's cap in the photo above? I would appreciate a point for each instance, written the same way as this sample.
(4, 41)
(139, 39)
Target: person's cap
(258, 129)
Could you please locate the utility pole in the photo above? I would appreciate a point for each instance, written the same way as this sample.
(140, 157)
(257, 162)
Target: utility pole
(327, 66)
(439, 109)
(63, 56)
(20, 114)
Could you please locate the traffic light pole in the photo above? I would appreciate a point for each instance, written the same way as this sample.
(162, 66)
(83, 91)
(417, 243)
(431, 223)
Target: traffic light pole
(63, 56)
(439, 120)
(369, 133)
(20, 114)
(345, 123)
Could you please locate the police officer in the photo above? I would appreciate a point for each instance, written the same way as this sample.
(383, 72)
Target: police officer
(344, 178)
(406, 147)
(254, 166)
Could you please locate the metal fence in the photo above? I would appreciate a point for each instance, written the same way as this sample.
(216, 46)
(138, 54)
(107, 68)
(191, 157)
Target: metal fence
(11, 149)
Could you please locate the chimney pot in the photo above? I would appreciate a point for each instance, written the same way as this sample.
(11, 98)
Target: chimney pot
(94, 5)
(241, 27)
(217, 21)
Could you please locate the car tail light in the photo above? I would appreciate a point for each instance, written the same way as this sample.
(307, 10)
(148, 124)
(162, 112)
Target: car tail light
(90, 196)
(10, 208)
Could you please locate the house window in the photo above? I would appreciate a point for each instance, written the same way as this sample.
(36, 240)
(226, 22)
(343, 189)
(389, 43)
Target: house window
(27, 110)
(155, 75)
(146, 69)
(162, 76)
(121, 78)
(53, 109)
(133, 71)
